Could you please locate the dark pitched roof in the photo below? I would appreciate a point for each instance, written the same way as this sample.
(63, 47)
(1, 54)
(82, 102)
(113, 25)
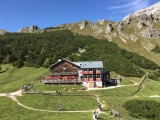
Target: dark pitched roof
(105, 71)
(63, 60)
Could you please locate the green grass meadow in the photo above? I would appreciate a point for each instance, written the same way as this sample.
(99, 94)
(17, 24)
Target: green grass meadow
(51, 102)
(9, 110)
(14, 78)
(78, 100)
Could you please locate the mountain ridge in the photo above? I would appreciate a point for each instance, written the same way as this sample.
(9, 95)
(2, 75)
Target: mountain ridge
(139, 34)
(153, 9)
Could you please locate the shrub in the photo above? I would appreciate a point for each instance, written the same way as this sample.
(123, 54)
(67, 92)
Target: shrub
(149, 109)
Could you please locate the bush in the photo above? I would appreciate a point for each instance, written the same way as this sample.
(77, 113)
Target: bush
(149, 109)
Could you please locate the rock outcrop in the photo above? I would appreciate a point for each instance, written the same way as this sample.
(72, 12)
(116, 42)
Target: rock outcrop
(152, 12)
(141, 24)
(109, 28)
(2, 31)
(150, 33)
(85, 23)
(30, 29)
(101, 22)
(145, 17)
(120, 27)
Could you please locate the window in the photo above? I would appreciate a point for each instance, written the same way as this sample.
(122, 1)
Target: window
(90, 69)
(85, 69)
(98, 76)
(90, 76)
(85, 76)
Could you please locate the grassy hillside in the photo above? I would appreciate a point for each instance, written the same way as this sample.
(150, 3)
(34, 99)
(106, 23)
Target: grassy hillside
(11, 111)
(142, 46)
(14, 78)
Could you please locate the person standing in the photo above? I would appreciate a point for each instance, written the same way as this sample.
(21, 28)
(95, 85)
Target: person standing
(103, 106)
(95, 114)
(99, 105)
(59, 107)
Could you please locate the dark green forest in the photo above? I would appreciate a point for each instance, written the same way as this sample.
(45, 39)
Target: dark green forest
(44, 49)
(149, 109)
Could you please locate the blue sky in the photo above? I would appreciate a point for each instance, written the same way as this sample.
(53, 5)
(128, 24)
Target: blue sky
(16, 14)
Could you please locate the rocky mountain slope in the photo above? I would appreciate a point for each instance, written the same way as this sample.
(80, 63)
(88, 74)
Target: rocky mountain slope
(138, 32)
(31, 29)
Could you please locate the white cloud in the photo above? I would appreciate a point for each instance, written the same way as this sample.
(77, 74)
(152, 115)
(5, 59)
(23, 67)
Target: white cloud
(130, 5)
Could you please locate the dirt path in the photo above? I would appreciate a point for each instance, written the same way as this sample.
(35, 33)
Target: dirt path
(19, 93)
(112, 87)
(15, 100)
(99, 112)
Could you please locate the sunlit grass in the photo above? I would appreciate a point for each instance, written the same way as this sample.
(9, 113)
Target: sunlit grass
(14, 78)
(70, 100)
(11, 111)
(149, 88)
(53, 87)
(51, 102)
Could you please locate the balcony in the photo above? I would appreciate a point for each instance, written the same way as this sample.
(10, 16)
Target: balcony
(58, 81)
(85, 72)
(90, 72)
(98, 72)
(64, 73)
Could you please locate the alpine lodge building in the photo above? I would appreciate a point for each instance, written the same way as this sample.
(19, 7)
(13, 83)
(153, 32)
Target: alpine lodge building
(88, 73)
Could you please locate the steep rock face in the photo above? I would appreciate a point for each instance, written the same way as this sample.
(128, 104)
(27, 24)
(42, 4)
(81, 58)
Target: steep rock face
(30, 29)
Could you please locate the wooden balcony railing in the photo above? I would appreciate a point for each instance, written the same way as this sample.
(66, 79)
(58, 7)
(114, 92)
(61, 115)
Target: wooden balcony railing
(59, 81)
(65, 73)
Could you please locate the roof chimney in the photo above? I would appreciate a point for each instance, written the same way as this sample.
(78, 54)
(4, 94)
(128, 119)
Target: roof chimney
(59, 60)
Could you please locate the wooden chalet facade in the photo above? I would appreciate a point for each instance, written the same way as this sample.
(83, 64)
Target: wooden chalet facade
(62, 72)
(90, 73)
